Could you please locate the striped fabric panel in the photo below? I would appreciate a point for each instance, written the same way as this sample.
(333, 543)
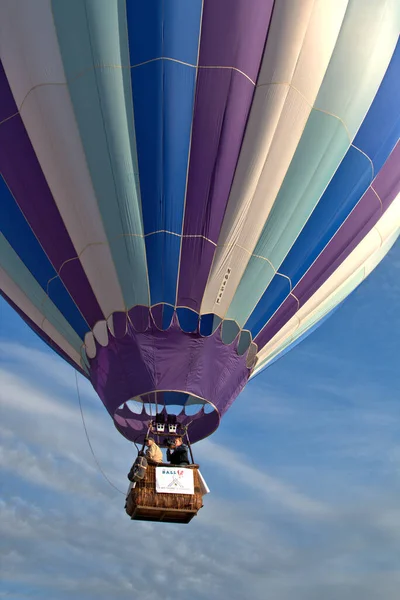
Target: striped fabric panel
(269, 359)
(71, 357)
(371, 147)
(199, 154)
(18, 283)
(27, 184)
(37, 80)
(96, 64)
(349, 275)
(376, 200)
(233, 36)
(288, 83)
(339, 108)
(21, 238)
(163, 46)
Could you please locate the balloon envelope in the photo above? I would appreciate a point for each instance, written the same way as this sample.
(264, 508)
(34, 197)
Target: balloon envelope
(189, 188)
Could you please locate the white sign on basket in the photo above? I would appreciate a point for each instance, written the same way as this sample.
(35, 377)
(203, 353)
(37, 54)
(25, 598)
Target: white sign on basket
(174, 480)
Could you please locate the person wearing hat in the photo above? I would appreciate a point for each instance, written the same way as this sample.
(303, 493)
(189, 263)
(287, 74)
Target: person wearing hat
(153, 452)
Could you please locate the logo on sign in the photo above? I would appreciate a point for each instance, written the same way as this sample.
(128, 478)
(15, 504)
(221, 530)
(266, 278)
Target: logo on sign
(176, 475)
(174, 480)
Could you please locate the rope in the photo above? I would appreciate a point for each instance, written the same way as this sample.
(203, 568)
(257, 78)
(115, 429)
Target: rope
(157, 413)
(188, 440)
(88, 440)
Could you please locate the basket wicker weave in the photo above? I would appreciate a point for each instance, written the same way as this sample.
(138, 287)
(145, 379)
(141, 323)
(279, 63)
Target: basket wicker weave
(145, 503)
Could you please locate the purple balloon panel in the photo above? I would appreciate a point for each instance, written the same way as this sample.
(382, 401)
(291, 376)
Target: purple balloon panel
(223, 99)
(233, 34)
(153, 360)
(387, 182)
(119, 322)
(139, 317)
(233, 37)
(8, 108)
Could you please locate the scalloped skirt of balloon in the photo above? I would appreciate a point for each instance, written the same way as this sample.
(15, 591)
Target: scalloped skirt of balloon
(145, 504)
(140, 371)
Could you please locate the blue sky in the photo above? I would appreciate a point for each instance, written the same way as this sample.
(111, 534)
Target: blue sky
(304, 473)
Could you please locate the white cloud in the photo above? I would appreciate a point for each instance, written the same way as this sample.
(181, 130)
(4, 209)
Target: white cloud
(43, 367)
(241, 469)
(44, 441)
(19, 394)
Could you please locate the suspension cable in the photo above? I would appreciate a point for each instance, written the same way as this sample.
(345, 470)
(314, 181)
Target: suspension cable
(189, 444)
(88, 440)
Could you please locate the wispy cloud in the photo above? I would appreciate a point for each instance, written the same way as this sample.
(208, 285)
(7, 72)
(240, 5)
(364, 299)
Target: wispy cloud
(42, 368)
(236, 547)
(246, 471)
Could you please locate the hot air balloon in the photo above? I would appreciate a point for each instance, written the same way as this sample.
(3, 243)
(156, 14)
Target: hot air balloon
(189, 187)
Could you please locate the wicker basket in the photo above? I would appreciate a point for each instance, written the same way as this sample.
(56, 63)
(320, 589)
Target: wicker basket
(144, 503)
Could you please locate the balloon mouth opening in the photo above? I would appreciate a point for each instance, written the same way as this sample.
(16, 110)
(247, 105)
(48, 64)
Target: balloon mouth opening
(133, 417)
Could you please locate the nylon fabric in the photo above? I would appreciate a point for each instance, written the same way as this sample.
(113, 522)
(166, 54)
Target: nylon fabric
(290, 77)
(362, 219)
(176, 398)
(223, 100)
(96, 64)
(164, 30)
(29, 188)
(162, 263)
(294, 331)
(163, 96)
(36, 77)
(72, 358)
(374, 142)
(20, 280)
(270, 360)
(232, 42)
(323, 144)
(20, 237)
(342, 282)
(191, 187)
